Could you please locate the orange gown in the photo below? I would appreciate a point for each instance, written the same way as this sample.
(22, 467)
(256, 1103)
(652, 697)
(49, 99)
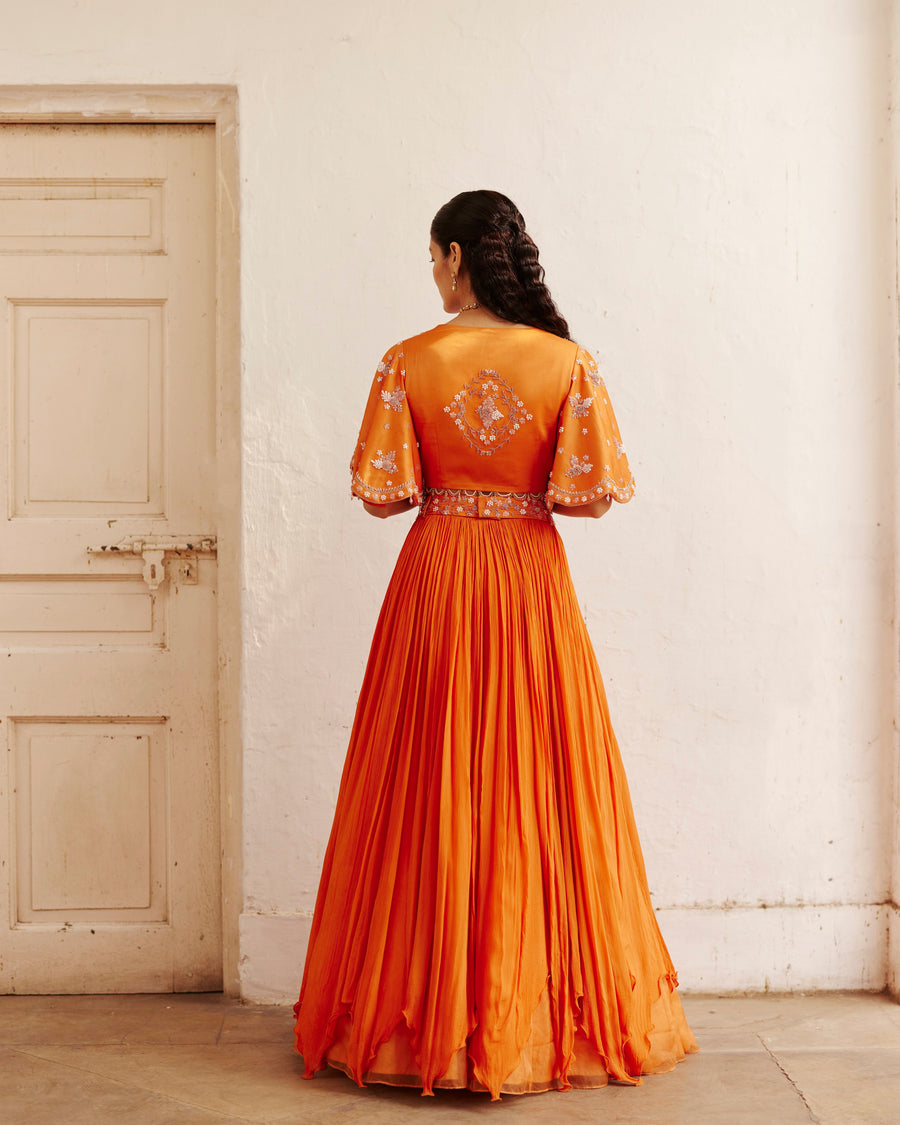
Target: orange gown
(483, 918)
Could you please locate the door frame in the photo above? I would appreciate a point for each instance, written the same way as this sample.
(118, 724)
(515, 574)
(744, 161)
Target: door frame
(216, 105)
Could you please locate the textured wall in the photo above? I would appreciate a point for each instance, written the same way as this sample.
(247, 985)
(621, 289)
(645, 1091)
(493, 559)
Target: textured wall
(893, 968)
(710, 186)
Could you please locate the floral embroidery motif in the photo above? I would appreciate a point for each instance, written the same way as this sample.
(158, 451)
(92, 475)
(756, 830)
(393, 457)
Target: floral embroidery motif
(621, 489)
(381, 476)
(384, 368)
(393, 400)
(365, 490)
(598, 472)
(486, 505)
(592, 372)
(386, 461)
(576, 468)
(487, 412)
(580, 406)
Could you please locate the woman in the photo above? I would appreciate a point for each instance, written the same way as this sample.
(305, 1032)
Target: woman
(483, 917)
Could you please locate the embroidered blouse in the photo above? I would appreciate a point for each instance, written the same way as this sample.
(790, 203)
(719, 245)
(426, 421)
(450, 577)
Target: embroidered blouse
(511, 410)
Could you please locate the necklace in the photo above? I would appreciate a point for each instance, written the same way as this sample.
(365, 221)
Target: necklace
(465, 308)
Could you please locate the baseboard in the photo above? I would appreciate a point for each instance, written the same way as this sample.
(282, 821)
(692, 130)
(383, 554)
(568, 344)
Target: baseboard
(778, 948)
(718, 949)
(273, 949)
(893, 959)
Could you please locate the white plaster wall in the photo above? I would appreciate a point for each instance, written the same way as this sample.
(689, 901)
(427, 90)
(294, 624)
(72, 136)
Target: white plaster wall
(893, 967)
(710, 185)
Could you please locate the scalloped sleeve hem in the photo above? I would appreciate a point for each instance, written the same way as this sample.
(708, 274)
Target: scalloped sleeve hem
(590, 459)
(385, 466)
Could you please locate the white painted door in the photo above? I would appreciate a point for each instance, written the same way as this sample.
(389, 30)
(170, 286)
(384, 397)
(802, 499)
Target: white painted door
(109, 810)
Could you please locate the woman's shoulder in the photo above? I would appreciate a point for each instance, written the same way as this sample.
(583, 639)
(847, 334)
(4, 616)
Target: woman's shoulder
(501, 336)
(423, 339)
(405, 343)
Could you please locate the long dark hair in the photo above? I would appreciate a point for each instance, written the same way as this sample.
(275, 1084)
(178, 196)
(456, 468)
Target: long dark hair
(500, 258)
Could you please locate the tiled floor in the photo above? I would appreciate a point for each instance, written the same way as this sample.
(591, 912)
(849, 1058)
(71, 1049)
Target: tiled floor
(187, 1060)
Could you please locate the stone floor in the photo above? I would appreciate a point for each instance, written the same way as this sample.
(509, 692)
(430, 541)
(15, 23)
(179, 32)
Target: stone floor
(187, 1060)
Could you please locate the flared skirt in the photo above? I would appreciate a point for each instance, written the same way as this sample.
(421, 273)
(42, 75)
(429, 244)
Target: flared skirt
(483, 917)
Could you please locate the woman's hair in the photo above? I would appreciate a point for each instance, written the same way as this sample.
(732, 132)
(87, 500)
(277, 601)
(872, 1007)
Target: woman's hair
(499, 257)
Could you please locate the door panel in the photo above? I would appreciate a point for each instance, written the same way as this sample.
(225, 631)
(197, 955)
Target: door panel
(90, 361)
(109, 797)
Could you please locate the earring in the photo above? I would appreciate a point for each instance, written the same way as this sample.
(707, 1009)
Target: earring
(453, 281)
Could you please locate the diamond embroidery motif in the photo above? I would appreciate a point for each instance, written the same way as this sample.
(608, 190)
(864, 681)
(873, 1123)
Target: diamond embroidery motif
(487, 412)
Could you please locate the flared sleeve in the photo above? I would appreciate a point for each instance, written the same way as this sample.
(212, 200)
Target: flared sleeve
(590, 459)
(385, 465)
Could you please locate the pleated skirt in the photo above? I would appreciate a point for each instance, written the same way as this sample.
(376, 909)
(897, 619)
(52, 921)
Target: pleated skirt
(483, 918)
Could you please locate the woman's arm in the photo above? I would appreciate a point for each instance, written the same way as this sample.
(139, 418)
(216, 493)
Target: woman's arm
(593, 511)
(394, 508)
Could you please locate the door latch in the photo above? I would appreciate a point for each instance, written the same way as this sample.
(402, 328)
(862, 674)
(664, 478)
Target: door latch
(153, 549)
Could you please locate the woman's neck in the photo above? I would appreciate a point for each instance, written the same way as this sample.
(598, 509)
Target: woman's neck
(483, 318)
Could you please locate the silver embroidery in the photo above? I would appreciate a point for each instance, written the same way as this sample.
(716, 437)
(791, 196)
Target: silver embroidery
(580, 406)
(604, 483)
(620, 489)
(485, 505)
(393, 400)
(593, 373)
(366, 490)
(576, 468)
(386, 461)
(487, 412)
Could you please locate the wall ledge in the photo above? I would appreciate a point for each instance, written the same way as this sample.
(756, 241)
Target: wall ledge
(715, 949)
(893, 957)
(779, 948)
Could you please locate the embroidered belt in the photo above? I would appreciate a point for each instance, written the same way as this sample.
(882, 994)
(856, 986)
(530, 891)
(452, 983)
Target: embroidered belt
(486, 505)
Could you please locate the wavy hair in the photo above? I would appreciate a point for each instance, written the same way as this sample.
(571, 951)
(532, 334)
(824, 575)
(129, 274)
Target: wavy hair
(499, 257)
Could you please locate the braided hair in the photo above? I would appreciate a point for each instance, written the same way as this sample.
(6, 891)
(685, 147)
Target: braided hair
(500, 258)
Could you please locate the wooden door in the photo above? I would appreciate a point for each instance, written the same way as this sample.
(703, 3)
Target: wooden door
(109, 809)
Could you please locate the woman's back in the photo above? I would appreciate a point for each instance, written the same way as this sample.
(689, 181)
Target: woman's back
(506, 410)
(483, 918)
(485, 404)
